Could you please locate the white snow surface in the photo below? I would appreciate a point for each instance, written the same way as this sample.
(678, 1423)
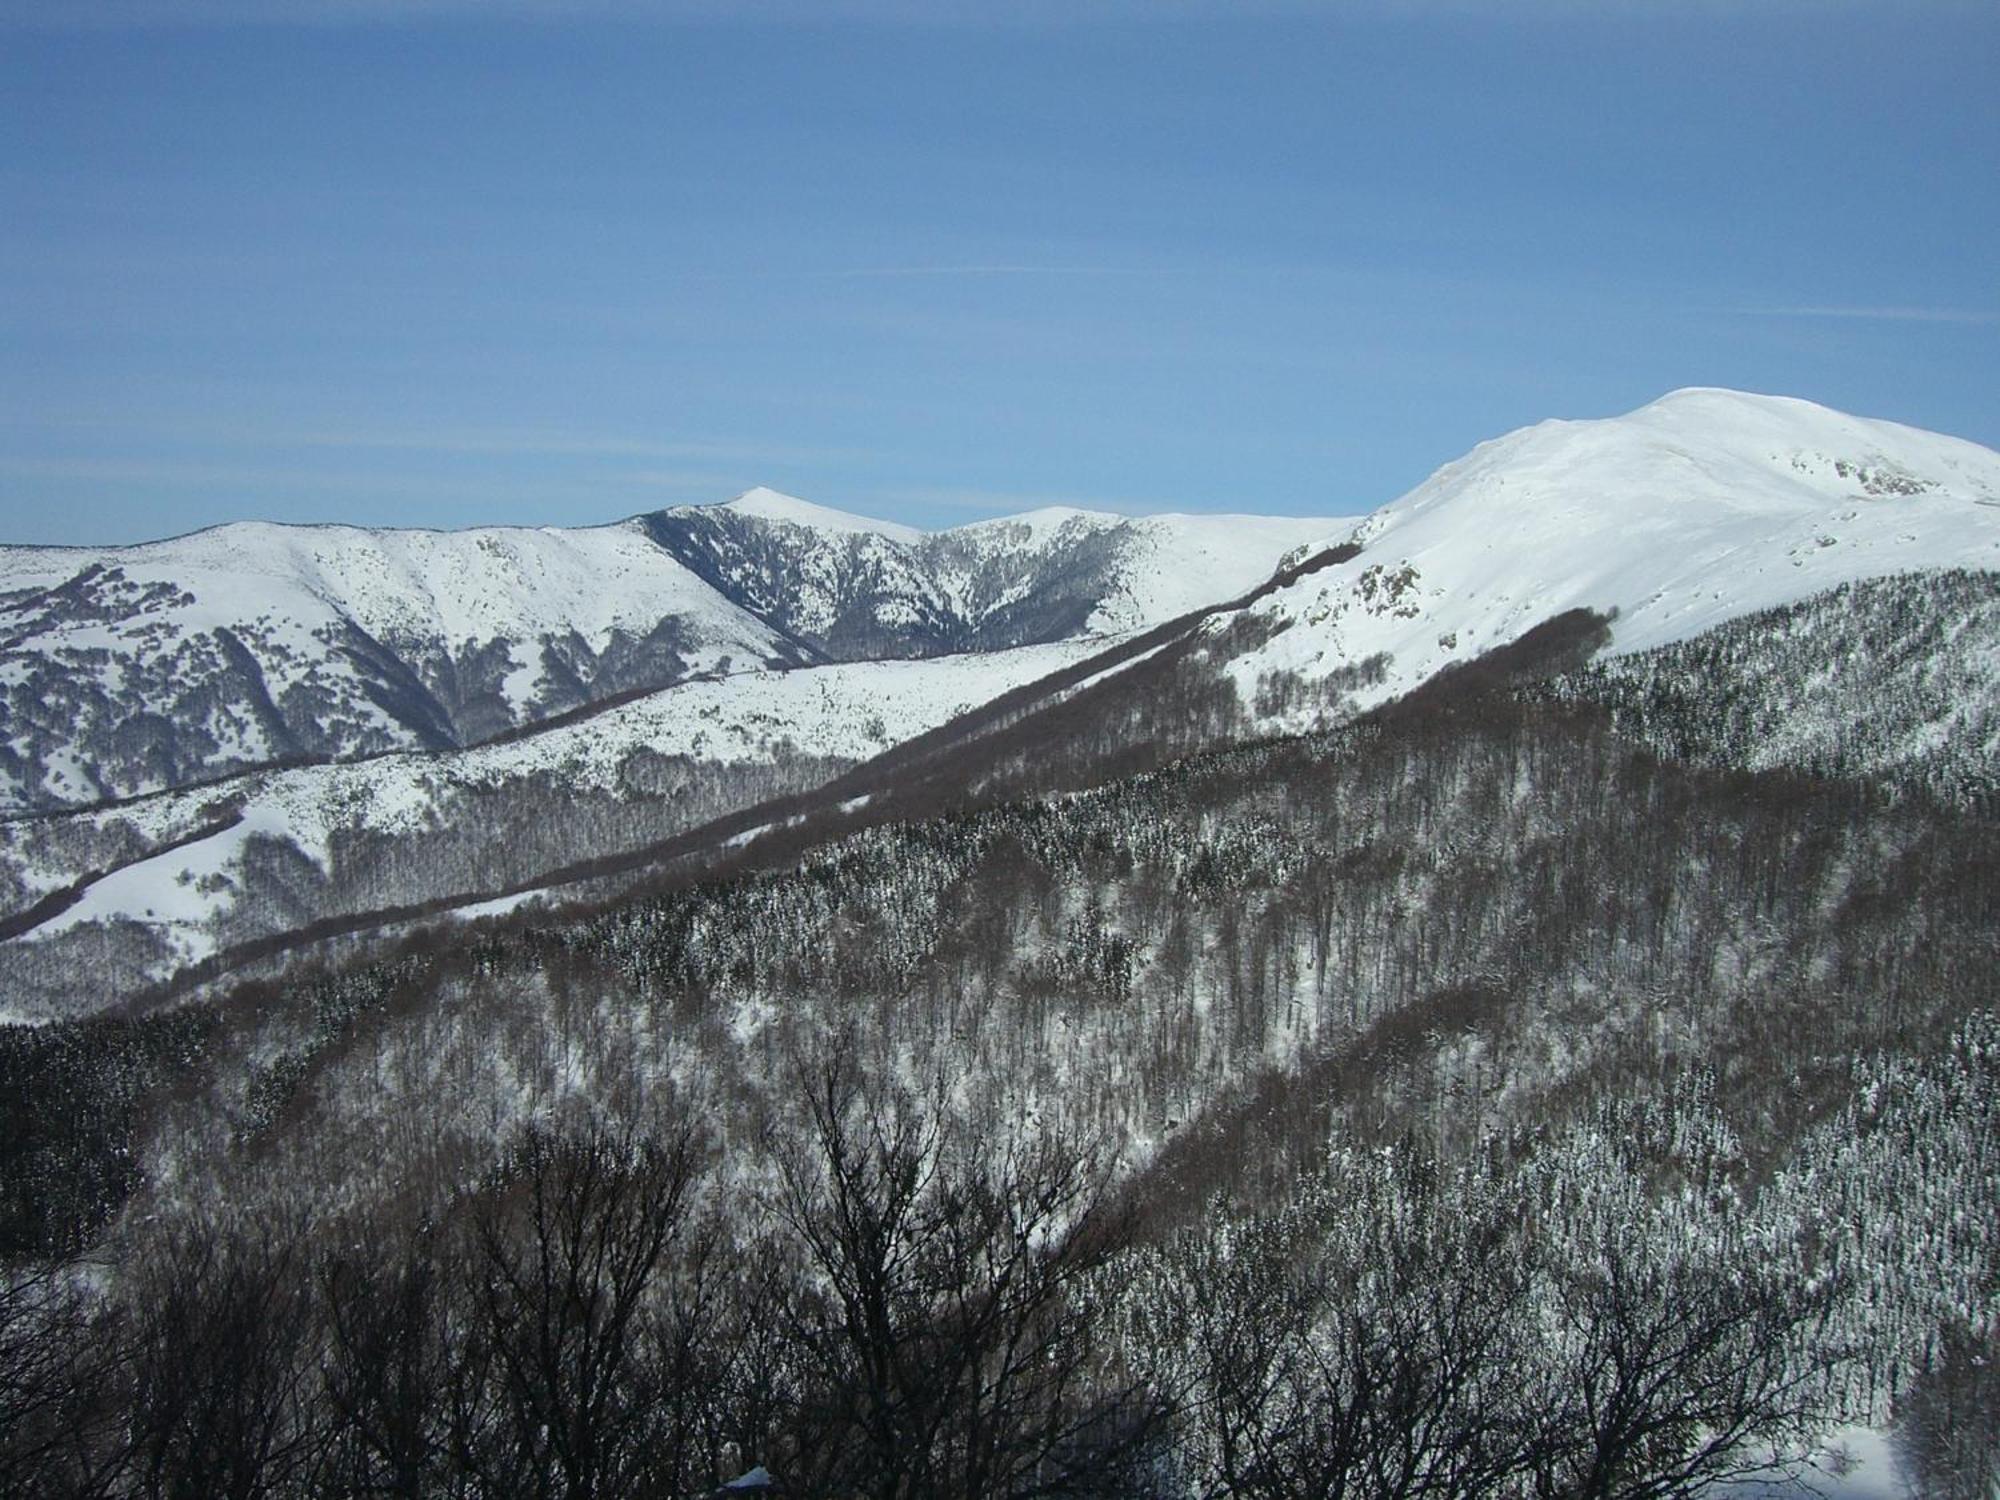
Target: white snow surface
(463, 586)
(770, 505)
(290, 593)
(1174, 563)
(1703, 506)
(158, 613)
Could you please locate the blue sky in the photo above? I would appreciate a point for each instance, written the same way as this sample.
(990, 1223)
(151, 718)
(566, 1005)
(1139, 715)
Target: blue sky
(429, 263)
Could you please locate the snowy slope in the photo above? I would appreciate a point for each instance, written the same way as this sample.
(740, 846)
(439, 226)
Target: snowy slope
(848, 711)
(1894, 680)
(1701, 507)
(126, 670)
(1168, 564)
(761, 504)
(846, 588)
(459, 587)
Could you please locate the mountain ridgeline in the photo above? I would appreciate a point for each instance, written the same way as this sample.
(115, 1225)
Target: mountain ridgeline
(1414, 1016)
(137, 669)
(871, 595)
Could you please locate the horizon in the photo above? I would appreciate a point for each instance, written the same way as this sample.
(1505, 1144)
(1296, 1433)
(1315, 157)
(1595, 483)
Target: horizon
(886, 524)
(414, 263)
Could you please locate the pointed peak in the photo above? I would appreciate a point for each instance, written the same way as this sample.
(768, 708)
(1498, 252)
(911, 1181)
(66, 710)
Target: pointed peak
(770, 505)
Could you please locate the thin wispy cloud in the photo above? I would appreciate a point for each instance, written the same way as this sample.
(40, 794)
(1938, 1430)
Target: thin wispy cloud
(860, 273)
(501, 443)
(174, 474)
(476, 442)
(71, 15)
(1532, 10)
(315, 496)
(1956, 316)
(161, 14)
(974, 270)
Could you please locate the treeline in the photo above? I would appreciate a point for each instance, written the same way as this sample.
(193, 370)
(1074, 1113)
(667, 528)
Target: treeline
(1080, 726)
(1456, 928)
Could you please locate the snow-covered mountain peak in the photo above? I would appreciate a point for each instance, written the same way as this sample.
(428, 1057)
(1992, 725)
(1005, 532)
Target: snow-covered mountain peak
(1793, 437)
(771, 505)
(1699, 507)
(1692, 457)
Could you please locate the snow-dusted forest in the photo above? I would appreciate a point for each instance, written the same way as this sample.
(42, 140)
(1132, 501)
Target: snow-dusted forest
(1233, 1056)
(1464, 1101)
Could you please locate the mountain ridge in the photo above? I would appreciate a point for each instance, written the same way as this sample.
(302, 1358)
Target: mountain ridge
(125, 670)
(1624, 520)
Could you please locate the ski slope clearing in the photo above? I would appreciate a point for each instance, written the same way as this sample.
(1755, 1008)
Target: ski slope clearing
(1704, 506)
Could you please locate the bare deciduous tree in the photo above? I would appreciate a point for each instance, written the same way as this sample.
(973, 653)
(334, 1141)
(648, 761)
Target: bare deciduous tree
(222, 1345)
(60, 1359)
(1371, 1361)
(1676, 1371)
(384, 1370)
(949, 1330)
(570, 1254)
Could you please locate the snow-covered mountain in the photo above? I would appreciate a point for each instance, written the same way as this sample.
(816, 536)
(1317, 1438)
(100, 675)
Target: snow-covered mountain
(127, 670)
(770, 618)
(849, 588)
(1891, 680)
(1701, 507)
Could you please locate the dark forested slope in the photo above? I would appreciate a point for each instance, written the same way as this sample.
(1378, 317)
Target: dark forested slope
(1421, 1075)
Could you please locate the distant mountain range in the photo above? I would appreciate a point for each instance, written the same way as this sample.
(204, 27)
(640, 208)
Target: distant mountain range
(128, 670)
(664, 677)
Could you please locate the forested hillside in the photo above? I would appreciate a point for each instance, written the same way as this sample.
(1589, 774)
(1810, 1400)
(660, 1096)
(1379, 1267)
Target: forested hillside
(1496, 1000)
(1469, 1100)
(1895, 679)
